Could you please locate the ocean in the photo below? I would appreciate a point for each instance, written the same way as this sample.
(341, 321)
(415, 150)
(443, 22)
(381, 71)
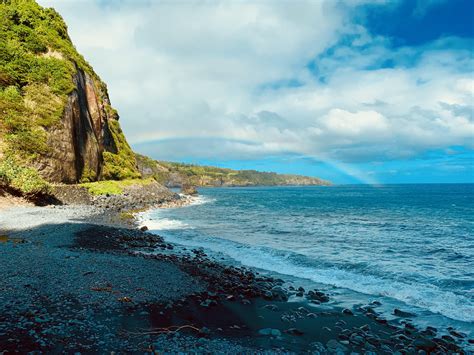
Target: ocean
(408, 246)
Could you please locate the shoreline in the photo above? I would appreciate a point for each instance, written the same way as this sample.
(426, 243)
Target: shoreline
(232, 309)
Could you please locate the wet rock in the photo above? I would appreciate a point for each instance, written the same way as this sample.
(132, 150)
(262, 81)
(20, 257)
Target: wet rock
(294, 331)
(399, 313)
(424, 344)
(208, 303)
(303, 310)
(335, 346)
(271, 307)
(279, 293)
(317, 296)
(347, 311)
(448, 338)
(457, 334)
(318, 347)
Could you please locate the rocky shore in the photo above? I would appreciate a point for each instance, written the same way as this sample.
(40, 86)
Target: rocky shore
(81, 279)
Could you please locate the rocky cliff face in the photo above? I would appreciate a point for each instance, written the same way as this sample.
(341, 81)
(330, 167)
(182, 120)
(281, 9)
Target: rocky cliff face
(78, 141)
(55, 114)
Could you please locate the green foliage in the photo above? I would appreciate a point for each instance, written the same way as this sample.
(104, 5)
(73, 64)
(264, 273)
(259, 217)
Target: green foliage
(122, 165)
(211, 176)
(24, 179)
(113, 187)
(37, 64)
(88, 175)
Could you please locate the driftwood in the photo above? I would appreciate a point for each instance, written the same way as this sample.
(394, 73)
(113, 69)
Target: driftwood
(166, 330)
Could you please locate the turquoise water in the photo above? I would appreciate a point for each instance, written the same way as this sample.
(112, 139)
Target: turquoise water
(412, 245)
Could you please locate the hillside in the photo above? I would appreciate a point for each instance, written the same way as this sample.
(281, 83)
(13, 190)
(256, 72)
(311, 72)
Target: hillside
(179, 174)
(56, 120)
(57, 124)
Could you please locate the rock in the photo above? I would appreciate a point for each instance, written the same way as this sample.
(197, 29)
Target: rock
(448, 338)
(317, 296)
(335, 346)
(208, 303)
(347, 311)
(279, 293)
(271, 307)
(144, 228)
(203, 332)
(424, 344)
(457, 334)
(294, 331)
(399, 313)
(303, 310)
(268, 295)
(318, 347)
(189, 190)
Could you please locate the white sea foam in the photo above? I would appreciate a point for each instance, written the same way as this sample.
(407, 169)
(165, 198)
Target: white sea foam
(199, 200)
(155, 223)
(425, 296)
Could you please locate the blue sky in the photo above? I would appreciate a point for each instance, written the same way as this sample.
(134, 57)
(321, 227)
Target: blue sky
(350, 91)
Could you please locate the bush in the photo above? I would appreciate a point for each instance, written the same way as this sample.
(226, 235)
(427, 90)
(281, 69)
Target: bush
(113, 187)
(123, 164)
(23, 179)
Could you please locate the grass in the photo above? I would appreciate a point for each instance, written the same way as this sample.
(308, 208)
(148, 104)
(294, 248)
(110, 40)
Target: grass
(113, 187)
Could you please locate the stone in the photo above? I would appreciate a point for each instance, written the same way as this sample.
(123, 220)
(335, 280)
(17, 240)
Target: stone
(279, 293)
(399, 313)
(347, 311)
(334, 345)
(294, 331)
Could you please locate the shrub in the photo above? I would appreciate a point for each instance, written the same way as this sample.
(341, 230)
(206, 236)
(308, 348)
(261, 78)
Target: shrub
(25, 180)
(123, 164)
(113, 187)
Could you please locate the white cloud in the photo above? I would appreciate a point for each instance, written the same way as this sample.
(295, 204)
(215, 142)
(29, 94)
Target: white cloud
(237, 72)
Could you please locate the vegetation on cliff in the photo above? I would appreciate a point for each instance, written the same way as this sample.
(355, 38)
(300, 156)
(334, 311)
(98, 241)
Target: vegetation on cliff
(179, 174)
(37, 66)
(114, 187)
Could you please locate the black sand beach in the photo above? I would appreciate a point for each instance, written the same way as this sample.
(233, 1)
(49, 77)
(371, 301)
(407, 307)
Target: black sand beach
(72, 282)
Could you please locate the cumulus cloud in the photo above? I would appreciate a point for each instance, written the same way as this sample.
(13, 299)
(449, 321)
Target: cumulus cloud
(247, 79)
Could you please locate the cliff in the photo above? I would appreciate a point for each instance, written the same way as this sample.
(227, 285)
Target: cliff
(179, 175)
(56, 120)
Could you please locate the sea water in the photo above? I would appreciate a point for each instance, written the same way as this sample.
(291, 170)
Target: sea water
(410, 245)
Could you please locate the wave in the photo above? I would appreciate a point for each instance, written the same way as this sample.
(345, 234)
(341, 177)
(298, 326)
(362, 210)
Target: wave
(153, 223)
(423, 295)
(198, 200)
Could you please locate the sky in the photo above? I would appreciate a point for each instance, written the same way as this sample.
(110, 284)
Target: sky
(350, 91)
